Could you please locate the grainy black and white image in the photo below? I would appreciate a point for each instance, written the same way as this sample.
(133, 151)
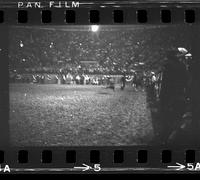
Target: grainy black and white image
(101, 85)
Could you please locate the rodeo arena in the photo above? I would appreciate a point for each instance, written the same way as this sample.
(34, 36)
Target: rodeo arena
(85, 102)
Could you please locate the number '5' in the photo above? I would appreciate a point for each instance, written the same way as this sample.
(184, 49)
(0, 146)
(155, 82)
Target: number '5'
(97, 167)
(190, 166)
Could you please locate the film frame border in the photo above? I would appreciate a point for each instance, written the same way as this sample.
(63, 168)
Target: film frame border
(130, 14)
(83, 154)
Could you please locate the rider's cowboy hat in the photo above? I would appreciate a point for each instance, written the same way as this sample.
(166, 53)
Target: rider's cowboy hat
(182, 52)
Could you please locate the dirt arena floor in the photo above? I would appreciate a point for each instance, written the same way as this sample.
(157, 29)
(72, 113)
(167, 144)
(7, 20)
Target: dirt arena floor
(78, 115)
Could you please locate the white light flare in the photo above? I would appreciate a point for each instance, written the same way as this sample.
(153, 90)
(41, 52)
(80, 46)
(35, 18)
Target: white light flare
(94, 28)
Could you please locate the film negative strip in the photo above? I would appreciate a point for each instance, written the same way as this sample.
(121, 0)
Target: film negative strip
(99, 87)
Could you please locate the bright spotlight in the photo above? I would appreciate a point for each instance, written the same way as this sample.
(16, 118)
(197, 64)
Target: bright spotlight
(94, 28)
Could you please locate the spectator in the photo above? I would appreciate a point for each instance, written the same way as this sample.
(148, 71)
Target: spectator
(123, 81)
(78, 79)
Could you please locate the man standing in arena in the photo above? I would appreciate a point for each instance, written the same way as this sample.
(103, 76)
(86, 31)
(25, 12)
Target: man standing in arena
(173, 92)
(123, 81)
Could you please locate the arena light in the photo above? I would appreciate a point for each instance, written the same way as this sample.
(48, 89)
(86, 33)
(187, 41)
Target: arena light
(94, 28)
(141, 63)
